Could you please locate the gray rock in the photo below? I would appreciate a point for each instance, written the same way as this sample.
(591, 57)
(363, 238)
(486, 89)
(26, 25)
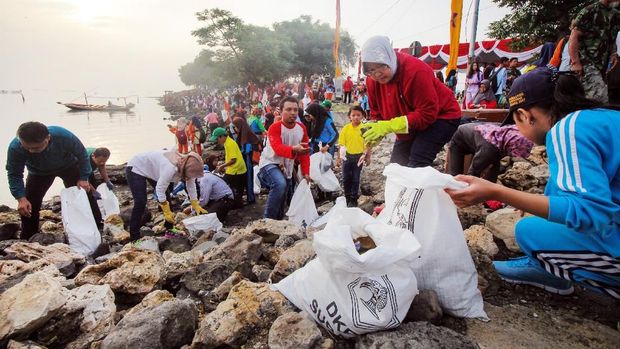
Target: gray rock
(24, 345)
(61, 255)
(292, 259)
(177, 244)
(168, 325)
(294, 330)
(502, 224)
(8, 230)
(270, 230)
(220, 237)
(242, 249)
(146, 231)
(207, 276)
(285, 241)
(416, 335)
(105, 257)
(148, 243)
(261, 272)
(425, 307)
(45, 239)
(205, 247)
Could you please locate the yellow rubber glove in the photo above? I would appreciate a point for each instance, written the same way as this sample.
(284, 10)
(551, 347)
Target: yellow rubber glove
(197, 208)
(168, 216)
(373, 132)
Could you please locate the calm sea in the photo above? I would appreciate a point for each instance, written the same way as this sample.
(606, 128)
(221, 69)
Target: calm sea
(125, 134)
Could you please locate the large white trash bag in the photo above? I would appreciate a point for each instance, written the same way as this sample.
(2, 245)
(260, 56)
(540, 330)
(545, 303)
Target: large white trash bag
(257, 185)
(341, 201)
(415, 200)
(108, 205)
(321, 172)
(78, 221)
(204, 222)
(302, 210)
(350, 293)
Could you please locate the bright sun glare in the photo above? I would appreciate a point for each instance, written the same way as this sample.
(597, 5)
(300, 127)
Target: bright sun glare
(88, 11)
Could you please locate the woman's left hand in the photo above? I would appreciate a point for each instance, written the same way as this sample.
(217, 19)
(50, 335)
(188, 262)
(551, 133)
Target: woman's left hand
(479, 190)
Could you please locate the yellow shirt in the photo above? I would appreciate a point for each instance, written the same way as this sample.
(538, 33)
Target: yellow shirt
(351, 138)
(233, 152)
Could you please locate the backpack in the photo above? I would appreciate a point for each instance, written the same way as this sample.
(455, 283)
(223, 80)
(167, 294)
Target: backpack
(494, 82)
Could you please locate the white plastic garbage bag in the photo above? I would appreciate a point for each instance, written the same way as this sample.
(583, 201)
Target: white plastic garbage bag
(341, 202)
(108, 205)
(350, 293)
(257, 185)
(321, 172)
(302, 210)
(78, 220)
(415, 200)
(204, 222)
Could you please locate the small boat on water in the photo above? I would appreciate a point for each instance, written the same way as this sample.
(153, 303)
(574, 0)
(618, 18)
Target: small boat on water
(98, 107)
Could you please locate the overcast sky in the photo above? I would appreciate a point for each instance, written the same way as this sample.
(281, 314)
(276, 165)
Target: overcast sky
(137, 46)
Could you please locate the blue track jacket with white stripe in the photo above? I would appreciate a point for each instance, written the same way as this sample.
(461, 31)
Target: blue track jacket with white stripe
(584, 164)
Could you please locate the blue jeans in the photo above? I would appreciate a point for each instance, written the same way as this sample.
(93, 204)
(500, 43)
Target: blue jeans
(279, 186)
(249, 182)
(422, 148)
(137, 186)
(351, 176)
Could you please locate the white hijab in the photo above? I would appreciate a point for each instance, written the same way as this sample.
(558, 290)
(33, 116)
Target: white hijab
(378, 49)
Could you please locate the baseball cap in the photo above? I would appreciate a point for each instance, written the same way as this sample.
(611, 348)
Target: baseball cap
(529, 89)
(216, 133)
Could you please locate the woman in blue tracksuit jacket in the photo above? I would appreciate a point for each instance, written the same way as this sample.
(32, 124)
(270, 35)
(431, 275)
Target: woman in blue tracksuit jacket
(576, 234)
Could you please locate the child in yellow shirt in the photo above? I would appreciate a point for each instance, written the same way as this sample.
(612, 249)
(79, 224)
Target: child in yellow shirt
(233, 165)
(355, 154)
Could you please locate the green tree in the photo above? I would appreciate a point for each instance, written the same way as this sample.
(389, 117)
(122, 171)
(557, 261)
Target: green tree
(222, 30)
(312, 45)
(533, 22)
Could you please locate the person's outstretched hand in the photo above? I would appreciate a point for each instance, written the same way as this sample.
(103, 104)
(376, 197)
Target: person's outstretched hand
(479, 190)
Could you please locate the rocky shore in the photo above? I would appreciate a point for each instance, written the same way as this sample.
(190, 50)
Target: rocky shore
(211, 289)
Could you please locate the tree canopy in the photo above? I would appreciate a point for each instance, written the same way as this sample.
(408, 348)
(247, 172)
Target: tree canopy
(239, 52)
(532, 22)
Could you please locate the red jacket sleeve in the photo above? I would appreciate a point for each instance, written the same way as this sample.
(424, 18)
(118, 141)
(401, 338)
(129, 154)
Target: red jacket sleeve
(304, 160)
(275, 140)
(420, 93)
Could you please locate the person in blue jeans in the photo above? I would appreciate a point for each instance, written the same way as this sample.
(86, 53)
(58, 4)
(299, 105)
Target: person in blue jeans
(287, 142)
(575, 234)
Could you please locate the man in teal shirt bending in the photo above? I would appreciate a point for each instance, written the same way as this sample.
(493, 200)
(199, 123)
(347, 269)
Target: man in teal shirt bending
(47, 153)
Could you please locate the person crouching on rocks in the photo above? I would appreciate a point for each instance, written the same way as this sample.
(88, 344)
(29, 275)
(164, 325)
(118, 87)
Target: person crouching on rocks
(160, 168)
(576, 234)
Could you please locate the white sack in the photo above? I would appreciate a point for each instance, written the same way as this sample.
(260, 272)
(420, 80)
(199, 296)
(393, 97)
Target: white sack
(321, 172)
(78, 221)
(415, 200)
(340, 203)
(350, 293)
(302, 210)
(204, 222)
(257, 185)
(108, 205)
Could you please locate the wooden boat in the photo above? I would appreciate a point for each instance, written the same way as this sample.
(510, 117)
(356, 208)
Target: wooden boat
(98, 107)
(488, 115)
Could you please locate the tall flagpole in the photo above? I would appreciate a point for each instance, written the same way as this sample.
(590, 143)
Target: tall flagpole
(336, 47)
(456, 15)
(474, 30)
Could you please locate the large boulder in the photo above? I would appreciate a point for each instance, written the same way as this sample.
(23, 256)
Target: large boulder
(30, 304)
(57, 230)
(131, 271)
(167, 325)
(293, 259)
(416, 335)
(501, 224)
(61, 255)
(249, 310)
(13, 271)
(425, 307)
(480, 237)
(270, 230)
(24, 345)
(294, 330)
(10, 223)
(88, 316)
(177, 264)
(241, 249)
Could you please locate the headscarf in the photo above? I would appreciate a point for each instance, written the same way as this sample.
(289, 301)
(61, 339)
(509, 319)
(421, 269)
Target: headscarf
(196, 121)
(320, 115)
(486, 95)
(245, 134)
(188, 166)
(378, 49)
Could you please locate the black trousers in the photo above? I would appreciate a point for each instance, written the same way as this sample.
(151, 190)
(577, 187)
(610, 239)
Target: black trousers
(421, 150)
(36, 188)
(347, 97)
(221, 207)
(351, 174)
(238, 184)
(466, 141)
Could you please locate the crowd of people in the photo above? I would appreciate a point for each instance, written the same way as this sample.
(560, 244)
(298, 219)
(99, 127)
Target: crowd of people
(574, 236)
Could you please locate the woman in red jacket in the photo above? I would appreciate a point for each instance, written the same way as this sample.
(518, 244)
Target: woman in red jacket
(407, 99)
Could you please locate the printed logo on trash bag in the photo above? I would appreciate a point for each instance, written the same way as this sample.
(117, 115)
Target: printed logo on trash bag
(373, 303)
(405, 208)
